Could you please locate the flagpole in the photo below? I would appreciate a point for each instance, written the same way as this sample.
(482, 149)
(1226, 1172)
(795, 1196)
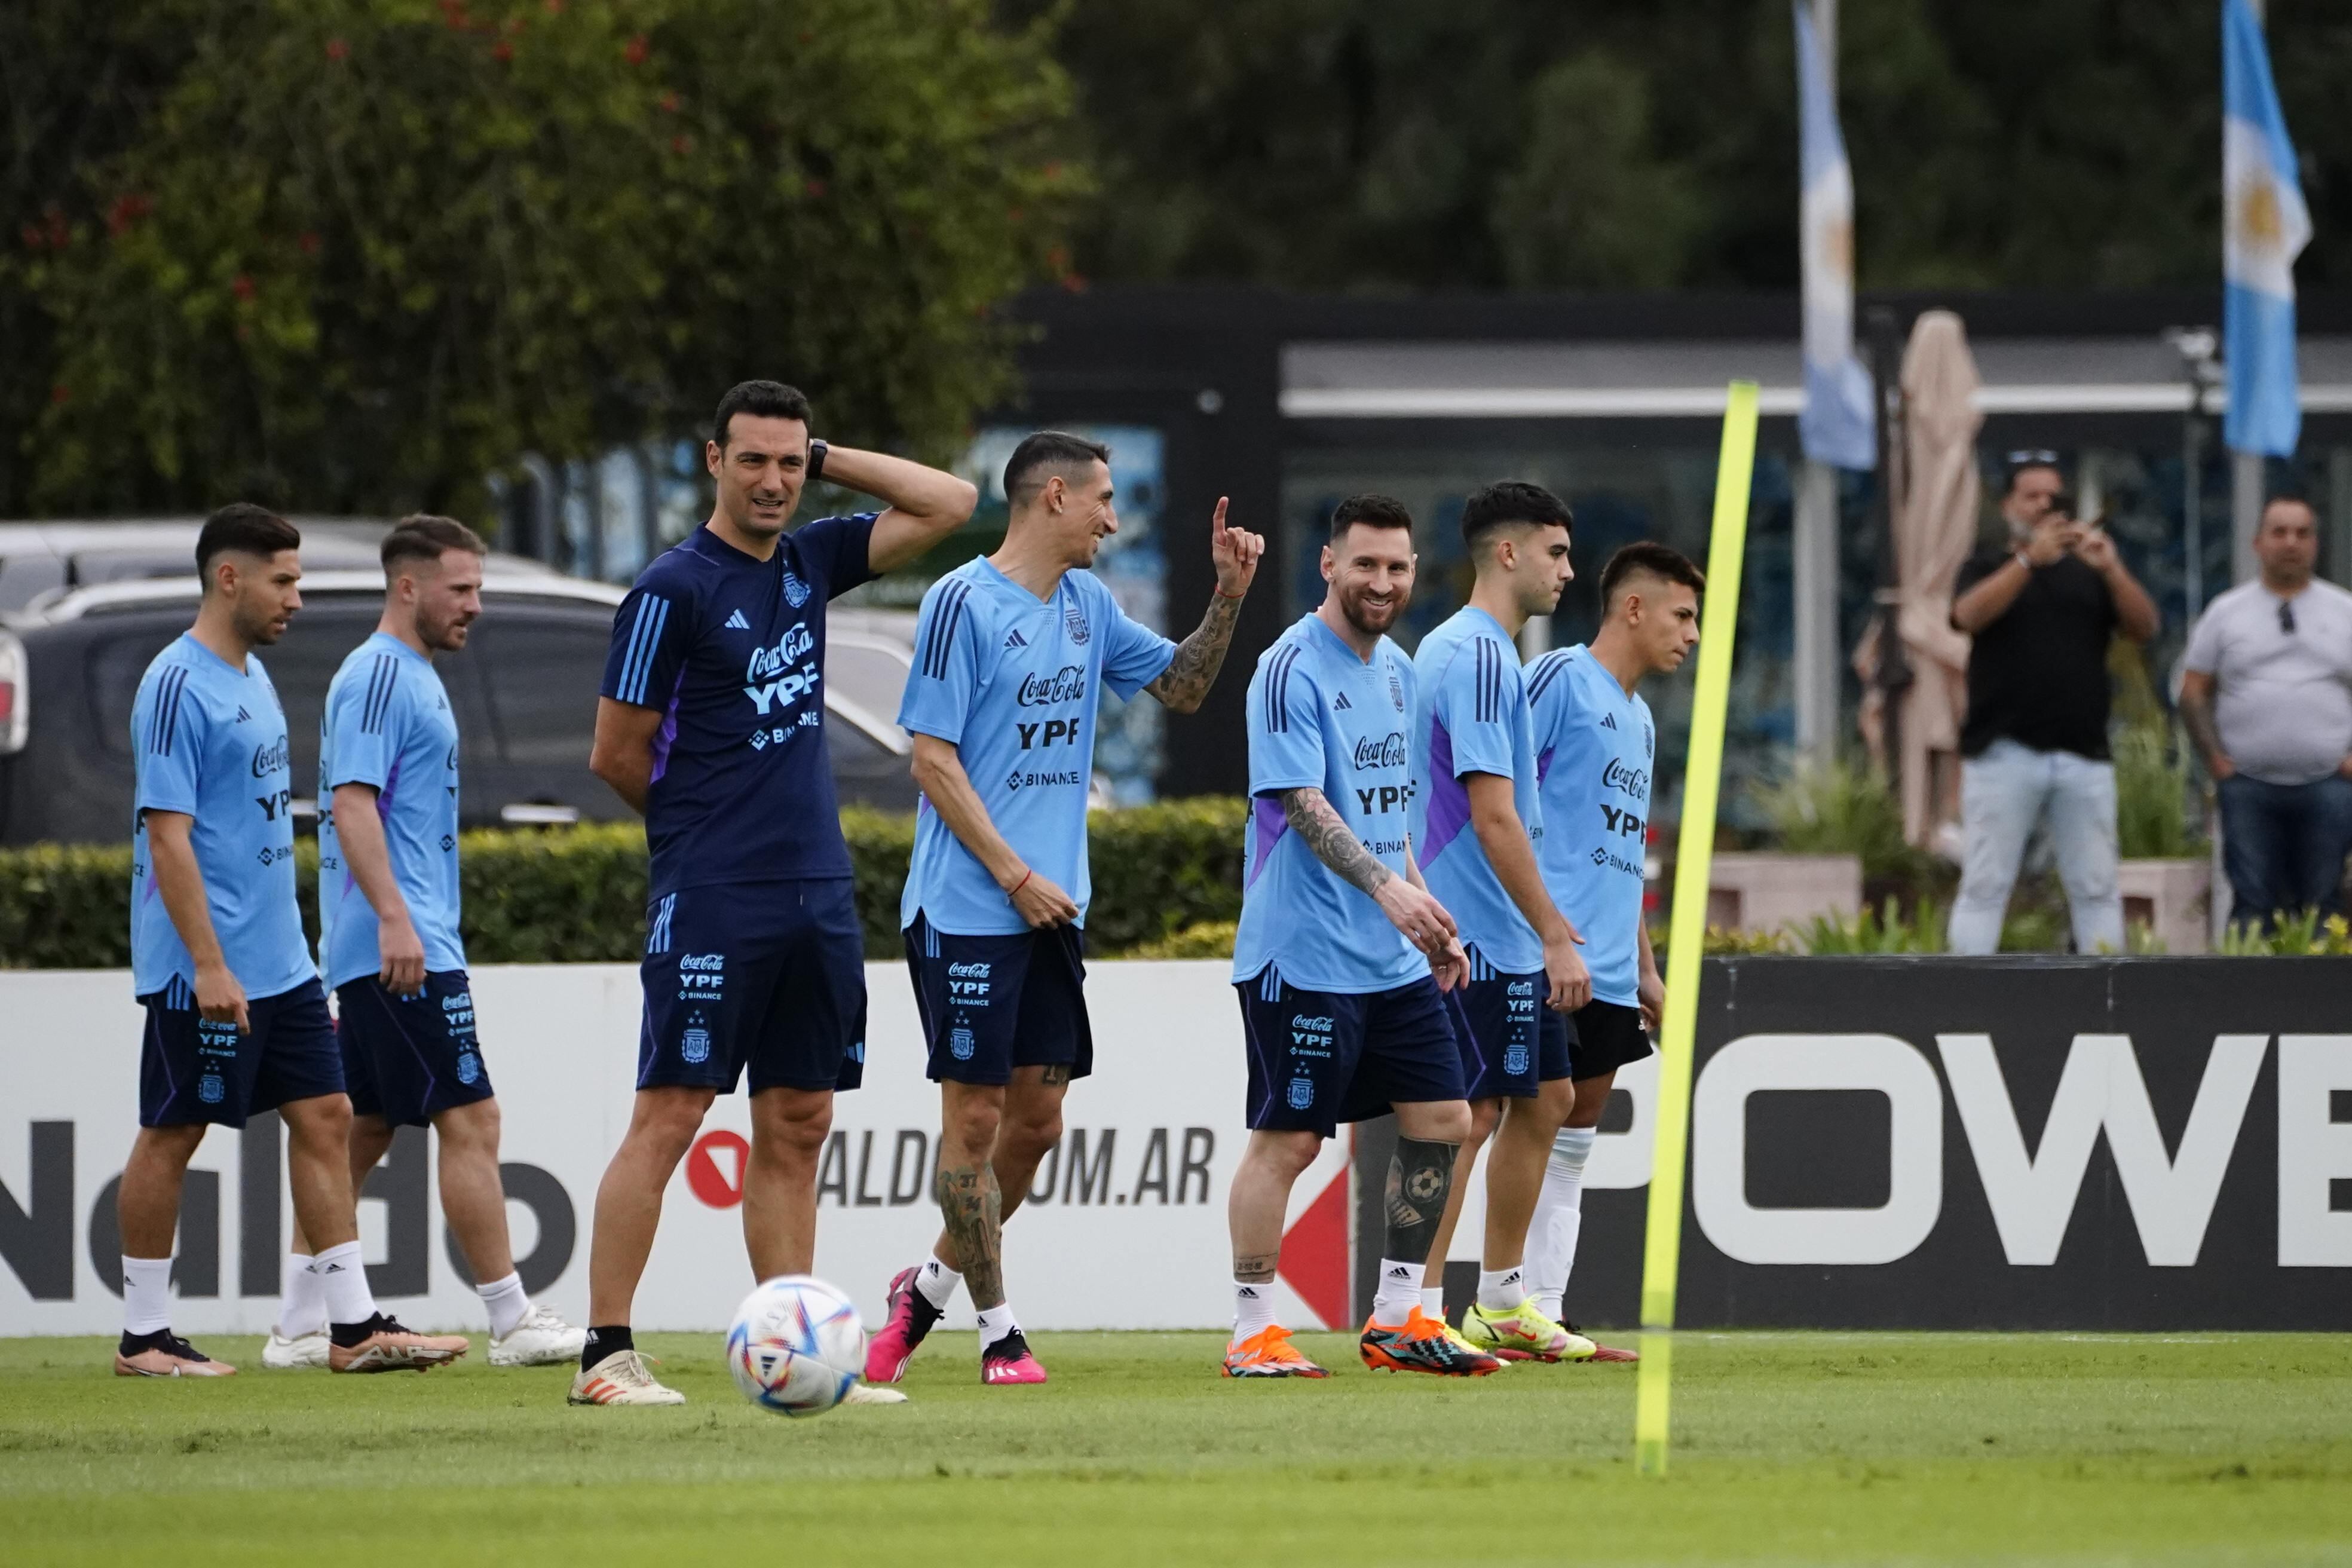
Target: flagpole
(2246, 475)
(1815, 546)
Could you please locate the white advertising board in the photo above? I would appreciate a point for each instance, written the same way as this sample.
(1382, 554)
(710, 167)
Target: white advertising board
(1127, 1228)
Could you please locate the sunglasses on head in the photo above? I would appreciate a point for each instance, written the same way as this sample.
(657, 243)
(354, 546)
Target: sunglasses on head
(2038, 458)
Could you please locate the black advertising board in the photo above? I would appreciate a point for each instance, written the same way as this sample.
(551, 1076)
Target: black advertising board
(1993, 1144)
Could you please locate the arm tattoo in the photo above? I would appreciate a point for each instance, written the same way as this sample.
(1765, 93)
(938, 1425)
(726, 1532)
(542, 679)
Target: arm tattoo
(973, 1210)
(1253, 1269)
(2197, 718)
(1312, 820)
(1189, 674)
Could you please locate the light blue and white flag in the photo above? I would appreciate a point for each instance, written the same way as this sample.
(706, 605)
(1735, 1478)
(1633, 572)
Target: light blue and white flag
(2264, 226)
(1837, 425)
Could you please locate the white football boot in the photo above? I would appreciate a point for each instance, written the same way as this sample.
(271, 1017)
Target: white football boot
(285, 1353)
(621, 1378)
(541, 1339)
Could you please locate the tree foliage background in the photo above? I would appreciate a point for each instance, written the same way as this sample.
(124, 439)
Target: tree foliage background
(1396, 144)
(349, 255)
(358, 254)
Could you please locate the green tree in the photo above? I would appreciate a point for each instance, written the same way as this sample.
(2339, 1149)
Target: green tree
(363, 253)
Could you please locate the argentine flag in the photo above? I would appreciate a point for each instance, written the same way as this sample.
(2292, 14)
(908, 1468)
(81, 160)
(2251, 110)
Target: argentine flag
(2264, 226)
(1837, 425)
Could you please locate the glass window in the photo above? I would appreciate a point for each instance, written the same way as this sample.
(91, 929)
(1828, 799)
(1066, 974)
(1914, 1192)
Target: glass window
(543, 663)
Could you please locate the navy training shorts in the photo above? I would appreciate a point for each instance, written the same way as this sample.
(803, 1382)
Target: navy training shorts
(1318, 1058)
(1522, 1044)
(193, 1070)
(408, 1058)
(767, 978)
(993, 1003)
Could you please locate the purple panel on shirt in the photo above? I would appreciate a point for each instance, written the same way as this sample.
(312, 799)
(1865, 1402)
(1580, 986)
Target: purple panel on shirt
(1543, 766)
(1268, 823)
(1449, 802)
(666, 735)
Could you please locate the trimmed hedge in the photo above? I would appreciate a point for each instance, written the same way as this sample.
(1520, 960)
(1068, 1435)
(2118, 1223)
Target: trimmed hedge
(577, 894)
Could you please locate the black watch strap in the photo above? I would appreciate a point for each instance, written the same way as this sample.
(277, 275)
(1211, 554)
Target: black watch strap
(815, 462)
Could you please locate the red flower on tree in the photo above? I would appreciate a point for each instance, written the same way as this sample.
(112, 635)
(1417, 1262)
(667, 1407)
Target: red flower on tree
(337, 50)
(242, 287)
(638, 50)
(502, 52)
(60, 392)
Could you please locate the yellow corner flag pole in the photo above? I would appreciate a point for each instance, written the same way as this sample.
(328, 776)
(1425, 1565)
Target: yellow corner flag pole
(1687, 936)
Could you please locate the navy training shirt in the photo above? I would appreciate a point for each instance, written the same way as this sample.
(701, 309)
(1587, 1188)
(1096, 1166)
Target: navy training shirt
(732, 651)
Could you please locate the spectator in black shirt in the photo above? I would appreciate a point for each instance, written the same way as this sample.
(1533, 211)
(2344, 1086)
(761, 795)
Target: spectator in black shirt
(2035, 743)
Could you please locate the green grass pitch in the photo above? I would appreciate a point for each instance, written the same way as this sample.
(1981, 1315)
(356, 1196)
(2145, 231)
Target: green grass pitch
(1789, 1447)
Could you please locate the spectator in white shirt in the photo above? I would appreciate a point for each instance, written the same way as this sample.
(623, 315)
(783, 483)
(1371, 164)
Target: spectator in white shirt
(2266, 694)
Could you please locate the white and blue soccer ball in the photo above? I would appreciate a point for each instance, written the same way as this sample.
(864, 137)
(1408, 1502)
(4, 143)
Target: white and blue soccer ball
(796, 1346)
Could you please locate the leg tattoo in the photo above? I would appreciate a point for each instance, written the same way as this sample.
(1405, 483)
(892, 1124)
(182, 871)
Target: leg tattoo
(1421, 1174)
(1255, 1269)
(974, 1210)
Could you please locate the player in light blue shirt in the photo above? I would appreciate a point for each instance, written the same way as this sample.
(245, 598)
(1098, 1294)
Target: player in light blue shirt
(1343, 959)
(1011, 654)
(236, 1020)
(1596, 752)
(388, 943)
(1478, 824)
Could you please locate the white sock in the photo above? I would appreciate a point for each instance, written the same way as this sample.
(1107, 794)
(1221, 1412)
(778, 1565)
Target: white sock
(1252, 1308)
(343, 1275)
(1433, 1301)
(146, 1295)
(507, 1302)
(1558, 1218)
(301, 1307)
(938, 1282)
(995, 1322)
(1398, 1292)
(1500, 1289)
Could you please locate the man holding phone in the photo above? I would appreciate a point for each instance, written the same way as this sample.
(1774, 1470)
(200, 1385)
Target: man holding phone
(2041, 612)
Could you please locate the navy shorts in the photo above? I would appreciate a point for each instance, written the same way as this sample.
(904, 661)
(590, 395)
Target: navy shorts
(1522, 1044)
(408, 1058)
(990, 1004)
(1608, 1035)
(192, 1070)
(767, 977)
(1320, 1058)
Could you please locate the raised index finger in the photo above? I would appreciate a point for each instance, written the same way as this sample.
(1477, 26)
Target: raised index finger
(1217, 523)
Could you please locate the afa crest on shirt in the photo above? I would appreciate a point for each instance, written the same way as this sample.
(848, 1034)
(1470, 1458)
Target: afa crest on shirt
(1074, 620)
(1302, 1093)
(1396, 690)
(796, 593)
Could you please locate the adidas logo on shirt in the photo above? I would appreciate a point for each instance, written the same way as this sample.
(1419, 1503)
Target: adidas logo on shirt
(1608, 721)
(1016, 639)
(1340, 702)
(736, 623)
(243, 717)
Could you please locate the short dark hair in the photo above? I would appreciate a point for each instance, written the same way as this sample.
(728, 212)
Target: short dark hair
(423, 537)
(1040, 456)
(1508, 502)
(763, 399)
(2289, 498)
(2021, 467)
(1371, 510)
(243, 526)
(1647, 557)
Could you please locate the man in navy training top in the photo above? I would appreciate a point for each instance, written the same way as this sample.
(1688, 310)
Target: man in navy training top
(1478, 826)
(389, 946)
(1012, 653)
(711, 724)
(236, 1020)
(1343, 959)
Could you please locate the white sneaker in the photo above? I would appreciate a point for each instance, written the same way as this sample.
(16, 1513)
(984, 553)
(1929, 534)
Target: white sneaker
(541, 1339)
(868, 1393)
(621, 1378)
(284, 1354)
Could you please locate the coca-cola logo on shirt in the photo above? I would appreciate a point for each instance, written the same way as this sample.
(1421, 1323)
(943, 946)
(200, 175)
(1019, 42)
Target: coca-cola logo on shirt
(1634, 782)
(1067, 684)
(1387, 751)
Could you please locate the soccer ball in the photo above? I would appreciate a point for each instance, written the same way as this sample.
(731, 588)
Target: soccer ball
(796, 1346)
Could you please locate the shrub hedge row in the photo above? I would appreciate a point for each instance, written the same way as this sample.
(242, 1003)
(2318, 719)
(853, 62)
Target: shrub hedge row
(578, 894)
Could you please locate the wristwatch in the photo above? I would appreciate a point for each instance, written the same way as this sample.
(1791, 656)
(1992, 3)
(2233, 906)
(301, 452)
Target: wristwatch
(2021, 558)
(815, 462)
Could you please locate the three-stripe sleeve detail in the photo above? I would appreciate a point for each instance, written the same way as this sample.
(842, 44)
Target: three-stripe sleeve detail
(644, 640)
(382, 680)
(939, 635)
(165, 719)
(1275, 692)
